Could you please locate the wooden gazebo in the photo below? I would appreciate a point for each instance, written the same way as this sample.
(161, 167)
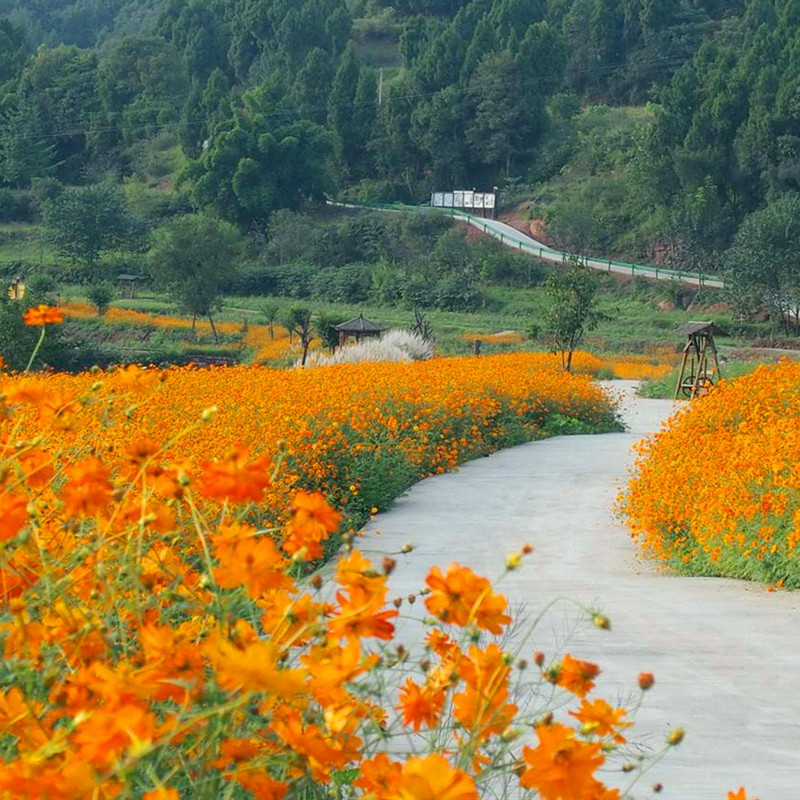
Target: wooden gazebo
(697, 374)
(358, 328)
(128, 284)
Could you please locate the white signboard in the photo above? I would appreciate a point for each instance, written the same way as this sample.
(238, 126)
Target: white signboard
(458, 199)
(489, 201)
(438, 200)
(478, 200)
(469, 199)
(448, 199)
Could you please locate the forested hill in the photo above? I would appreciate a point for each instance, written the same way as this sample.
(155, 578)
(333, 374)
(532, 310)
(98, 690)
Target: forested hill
(270, 103)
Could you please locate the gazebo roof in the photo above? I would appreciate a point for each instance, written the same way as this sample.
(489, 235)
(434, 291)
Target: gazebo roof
(359, 325)
(708, 328)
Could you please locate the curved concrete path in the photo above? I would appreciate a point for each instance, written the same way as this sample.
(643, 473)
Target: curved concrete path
(726, 654)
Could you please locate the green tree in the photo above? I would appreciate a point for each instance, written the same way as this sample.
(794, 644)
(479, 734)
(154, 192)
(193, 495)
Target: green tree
(100, 296)
(325, 328)
(194, 257)
(60, 87)
(84, 222)
(762, 268)
(507, 118)
(27, 152)
(572, 310)
(143, 85)
(299, 321)
(258, 162)
(270, 313)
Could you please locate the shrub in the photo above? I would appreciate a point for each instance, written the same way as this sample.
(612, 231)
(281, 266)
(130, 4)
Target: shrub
(455, 293)
(100, 296)
(16, 206)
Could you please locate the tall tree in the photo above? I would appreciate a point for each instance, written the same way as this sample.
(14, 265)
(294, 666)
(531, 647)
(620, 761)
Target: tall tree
(193, 257)
(84, 222)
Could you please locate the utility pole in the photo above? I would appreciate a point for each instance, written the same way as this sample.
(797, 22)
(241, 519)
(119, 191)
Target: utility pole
(380, 90)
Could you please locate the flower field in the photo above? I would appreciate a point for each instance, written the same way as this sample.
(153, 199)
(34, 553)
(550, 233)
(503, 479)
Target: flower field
(166, 630)
(717, 491)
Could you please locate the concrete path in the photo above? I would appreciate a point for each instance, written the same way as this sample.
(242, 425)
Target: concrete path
(726, 654)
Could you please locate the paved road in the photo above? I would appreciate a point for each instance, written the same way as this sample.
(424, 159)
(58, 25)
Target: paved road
(726, 654)
(514, 238)
(511, 237)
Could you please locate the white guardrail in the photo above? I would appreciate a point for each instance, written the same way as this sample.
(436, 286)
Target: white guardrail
(511, 237)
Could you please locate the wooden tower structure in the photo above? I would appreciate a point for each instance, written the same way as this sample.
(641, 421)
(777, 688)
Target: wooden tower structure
(700, 365)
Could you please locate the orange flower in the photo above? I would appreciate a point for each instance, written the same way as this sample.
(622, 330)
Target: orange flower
(739, 795)
(108, 732)
(574, 675)
(253, 668)
(420, 706)
(561, 766)
(161, 794)
(235, 479)
(313, 522)
(482, 708)
(432, 778)
(261, 786)
(461, 598)
(379, 777)
(598, 717)
(88, 489)
(361, 615)
(256, 564)
(42, 315)
(13, 514)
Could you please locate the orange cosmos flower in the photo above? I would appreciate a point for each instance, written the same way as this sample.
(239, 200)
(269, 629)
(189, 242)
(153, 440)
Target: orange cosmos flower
(561, 766)
(379, 777)
(361, 615)
(42, 315)
(161, 794)
(108, 732)
(574, 675)
(256, 564)
(739, 795)
(261, 786)
(253, 668)
(13, 514)
(420, 706)
(461, 597)
(599, 718)
(313, 521)
(88, 488)
(135, 379)
(234, 478)
(432, 778)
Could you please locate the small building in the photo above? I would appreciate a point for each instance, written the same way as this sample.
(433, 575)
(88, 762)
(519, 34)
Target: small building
(128, 284)
(358, 329)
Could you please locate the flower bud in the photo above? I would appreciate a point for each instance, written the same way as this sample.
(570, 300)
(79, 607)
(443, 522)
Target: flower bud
(602, 621)
(646, 680)
(676, 737)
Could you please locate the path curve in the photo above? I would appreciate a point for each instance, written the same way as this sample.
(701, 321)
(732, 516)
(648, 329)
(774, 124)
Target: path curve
(726, 654)
(517, 240)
